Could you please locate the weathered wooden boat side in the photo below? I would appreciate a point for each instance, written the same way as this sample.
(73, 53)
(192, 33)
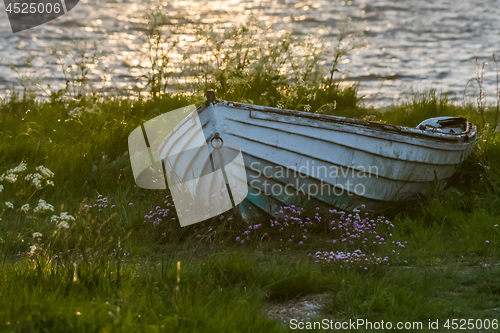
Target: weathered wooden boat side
(304, 159)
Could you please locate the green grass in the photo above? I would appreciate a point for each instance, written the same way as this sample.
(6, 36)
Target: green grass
(223, 287)
(228, 292)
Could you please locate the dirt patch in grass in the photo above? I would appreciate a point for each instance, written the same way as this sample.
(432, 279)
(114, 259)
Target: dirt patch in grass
(303, 308)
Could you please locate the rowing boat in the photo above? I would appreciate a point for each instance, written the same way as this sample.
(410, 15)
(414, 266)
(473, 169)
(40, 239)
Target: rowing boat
(313, 160)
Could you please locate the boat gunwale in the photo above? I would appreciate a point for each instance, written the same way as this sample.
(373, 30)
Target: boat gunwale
(466, 136)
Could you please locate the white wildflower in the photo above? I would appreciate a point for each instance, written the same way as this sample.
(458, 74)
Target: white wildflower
(50, 182)
(21, 167)
(32, 176)
(37, 235)
(44, 171)
(94, 109)
(9, 204)
(43, 206)
(12, 177)
(307, 108)
(35, 179)
(25, 208)
(12, 173)
(63, 217)
(1, 188)
(33, 249)
(66, 217)
(78, 111)
(63, 224)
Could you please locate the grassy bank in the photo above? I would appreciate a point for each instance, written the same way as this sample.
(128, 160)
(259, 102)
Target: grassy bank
(83, 249)
(113, 265)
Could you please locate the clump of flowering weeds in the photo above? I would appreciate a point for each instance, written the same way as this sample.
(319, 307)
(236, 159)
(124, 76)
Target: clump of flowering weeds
(22, 185)
(354, 258)
(98, 223)
(96, 231)
(157, 217)
(102, 208)
(289, 225)
(163, 224)
(357, 235)
(163, 219)
(21, 189)
(360, 230)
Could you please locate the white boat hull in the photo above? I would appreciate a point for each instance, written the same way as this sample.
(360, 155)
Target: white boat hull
(304, 159)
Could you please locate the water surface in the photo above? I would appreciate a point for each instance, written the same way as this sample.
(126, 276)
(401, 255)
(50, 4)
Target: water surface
(413, 45)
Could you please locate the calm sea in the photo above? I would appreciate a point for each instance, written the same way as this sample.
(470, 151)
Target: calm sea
(413, 46)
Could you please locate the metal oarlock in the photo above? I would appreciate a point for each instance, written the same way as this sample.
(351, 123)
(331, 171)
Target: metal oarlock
(216, 137)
